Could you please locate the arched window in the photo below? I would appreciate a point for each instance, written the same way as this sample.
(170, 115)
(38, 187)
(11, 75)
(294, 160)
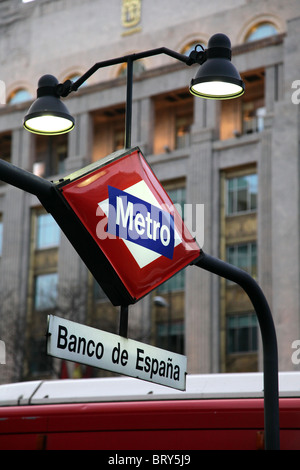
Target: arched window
(260, 31)
(19, 96)
(74, 76)
(188, 48)
(138, 68)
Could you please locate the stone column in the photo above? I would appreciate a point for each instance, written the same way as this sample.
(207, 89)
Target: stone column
(285, 207)
(285, 229)
(142, 124)
(198, 282)
(79, 143)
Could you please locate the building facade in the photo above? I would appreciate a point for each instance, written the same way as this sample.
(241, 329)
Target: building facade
(238, 158)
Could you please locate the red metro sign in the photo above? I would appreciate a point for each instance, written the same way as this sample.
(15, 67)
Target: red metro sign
(128, 215)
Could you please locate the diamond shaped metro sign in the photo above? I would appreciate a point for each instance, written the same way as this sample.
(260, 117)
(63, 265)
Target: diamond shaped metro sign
(129, 217)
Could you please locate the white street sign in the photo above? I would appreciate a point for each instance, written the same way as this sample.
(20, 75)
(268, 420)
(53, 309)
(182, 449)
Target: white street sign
(86, 345)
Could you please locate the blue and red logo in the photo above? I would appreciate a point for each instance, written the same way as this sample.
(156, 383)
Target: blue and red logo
(132, 219)
(140, 222)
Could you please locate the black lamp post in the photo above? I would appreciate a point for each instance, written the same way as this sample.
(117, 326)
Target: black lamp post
(217, 79)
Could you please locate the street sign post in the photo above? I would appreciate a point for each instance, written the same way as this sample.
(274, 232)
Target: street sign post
(86, 246)
(86, 345)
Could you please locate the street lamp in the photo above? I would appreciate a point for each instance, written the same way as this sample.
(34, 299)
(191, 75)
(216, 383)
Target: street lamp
(48, 115)
(217, 78)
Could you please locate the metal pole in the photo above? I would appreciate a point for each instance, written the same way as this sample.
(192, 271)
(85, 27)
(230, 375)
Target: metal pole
(128, 113)
(188, 60)
(269, 340)
(25, 180)
(123, 321)
(123, 328)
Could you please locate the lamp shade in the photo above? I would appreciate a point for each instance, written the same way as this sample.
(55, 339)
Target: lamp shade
(48, 115)
(218, 78)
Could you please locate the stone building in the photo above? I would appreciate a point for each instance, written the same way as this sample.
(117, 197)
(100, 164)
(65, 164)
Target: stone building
(240, 158)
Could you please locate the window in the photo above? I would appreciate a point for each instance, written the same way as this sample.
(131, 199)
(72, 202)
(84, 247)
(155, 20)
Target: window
(242, 333)
(188, 48)
(5, 148)
(108, 131)
(118, 139)
(253, 116)
(253, 102)
(170, 336)
(138, 68)
(47, 232)
(1, 235)
(39, 361)
(173, 117)
(46, 291)
(74, 77)
(98, 293)
(241, 194)
(247, 115)
(50, 154)
(176, 283)
(183, 131)
(243, 256)
(19, 96)
(260, 31)
(178, 196)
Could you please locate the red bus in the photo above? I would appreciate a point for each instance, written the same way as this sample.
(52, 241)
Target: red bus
(222, 411)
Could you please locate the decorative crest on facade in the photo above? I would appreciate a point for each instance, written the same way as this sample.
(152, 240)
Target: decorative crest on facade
(131, 15)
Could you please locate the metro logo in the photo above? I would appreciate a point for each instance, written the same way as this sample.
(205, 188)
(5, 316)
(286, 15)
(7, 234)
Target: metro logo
(124, 209)
(140, 222)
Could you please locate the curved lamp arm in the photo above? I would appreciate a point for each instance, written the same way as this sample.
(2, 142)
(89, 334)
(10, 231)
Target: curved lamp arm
(268, 334)
(195, 57)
